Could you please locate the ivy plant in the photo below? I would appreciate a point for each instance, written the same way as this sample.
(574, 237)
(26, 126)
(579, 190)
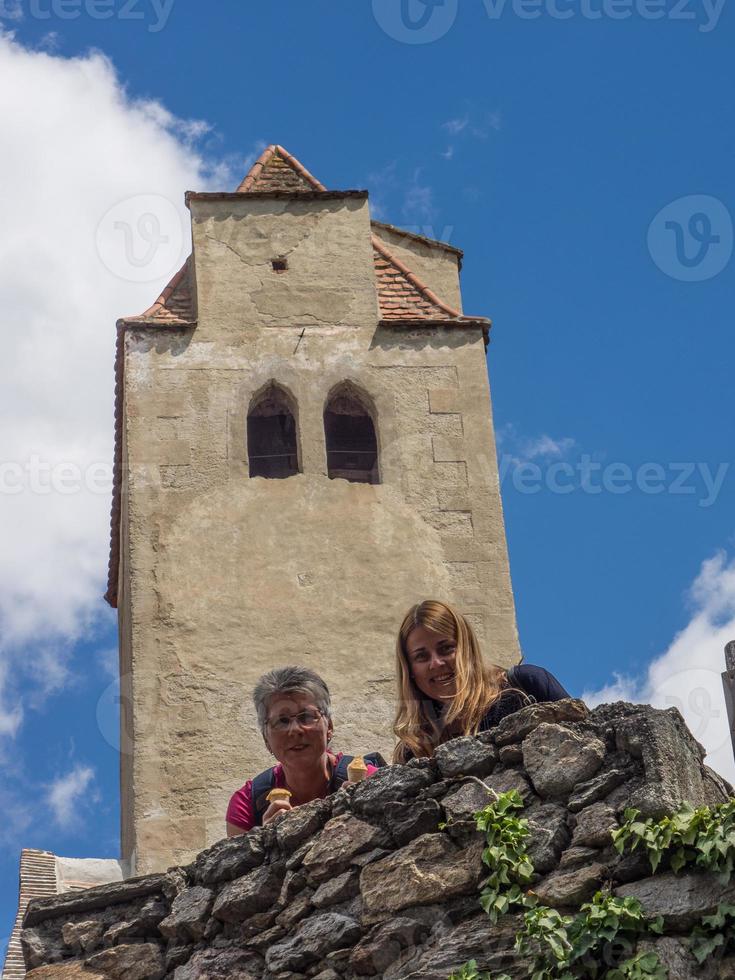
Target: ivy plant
(715, 934)
(505, 855)
(470, 972)
(700, 836)
(597, 942)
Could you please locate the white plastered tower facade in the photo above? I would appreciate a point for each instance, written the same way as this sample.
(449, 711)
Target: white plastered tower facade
(292, 297)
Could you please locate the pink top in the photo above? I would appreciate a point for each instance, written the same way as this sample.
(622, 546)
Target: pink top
(241, 811)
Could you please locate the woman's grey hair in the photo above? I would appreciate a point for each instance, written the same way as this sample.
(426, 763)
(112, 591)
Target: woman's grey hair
(290, 680)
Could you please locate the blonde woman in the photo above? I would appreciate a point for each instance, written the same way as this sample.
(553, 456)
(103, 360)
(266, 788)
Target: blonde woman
(445, 689)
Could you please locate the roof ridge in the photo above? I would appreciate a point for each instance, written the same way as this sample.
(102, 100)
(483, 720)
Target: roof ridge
(275, 149)
(161, 310)
(415, 281)
(397, 230)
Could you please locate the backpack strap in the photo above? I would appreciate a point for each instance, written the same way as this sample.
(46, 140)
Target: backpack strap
(260, 788)
(265, 781)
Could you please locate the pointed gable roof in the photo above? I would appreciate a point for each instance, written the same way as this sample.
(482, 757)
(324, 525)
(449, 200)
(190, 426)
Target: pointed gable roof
(401, 294)
(175, 305)
(277, 170)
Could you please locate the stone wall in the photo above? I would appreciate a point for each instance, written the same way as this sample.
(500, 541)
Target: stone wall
(365, 883)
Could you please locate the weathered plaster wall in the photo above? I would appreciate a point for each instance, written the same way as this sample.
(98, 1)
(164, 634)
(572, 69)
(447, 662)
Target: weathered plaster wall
(366, 884)
(224, 577)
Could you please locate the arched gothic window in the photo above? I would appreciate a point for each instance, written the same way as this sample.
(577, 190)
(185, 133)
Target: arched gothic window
(352, 445)
(272, 439)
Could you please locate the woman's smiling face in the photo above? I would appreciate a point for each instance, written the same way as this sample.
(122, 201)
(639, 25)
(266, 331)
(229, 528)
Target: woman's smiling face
(296, 731)
(431, 663)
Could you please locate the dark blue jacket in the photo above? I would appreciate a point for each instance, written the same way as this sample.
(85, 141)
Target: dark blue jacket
(526, 685)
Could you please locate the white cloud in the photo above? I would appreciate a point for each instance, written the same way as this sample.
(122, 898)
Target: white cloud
(456, 126)
(74, 144)
(418, 202)
(688, 674)
(67, 795)
(11, 716)
(518, 449)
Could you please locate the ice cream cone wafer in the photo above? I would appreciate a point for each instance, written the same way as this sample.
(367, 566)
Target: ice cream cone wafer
(357, 770)
(276, 795)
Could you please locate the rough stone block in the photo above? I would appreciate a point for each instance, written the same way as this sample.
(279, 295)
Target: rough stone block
(672, 760)
(301, 823)
(376, 952)
(515, 727)
(465, 757)
(342, 838)
(80, 936)
(339, 889)
(444, 401)
(430, 869)
(594, 826)
(392, 783)
(464, 801)
(228, 963)
(314, 939)
(557, 758)
(454, 522)
(254, 892)
(189, 914)
(567, 889)
(230, 858)
(138, 961)
(549, 835)
(69, 970)
(447, 450)
(682, 899)
(597, 788)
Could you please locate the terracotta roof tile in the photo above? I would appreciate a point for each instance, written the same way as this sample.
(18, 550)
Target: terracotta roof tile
(175, 305)
(37, 880)
(277, 170)
(401, 294)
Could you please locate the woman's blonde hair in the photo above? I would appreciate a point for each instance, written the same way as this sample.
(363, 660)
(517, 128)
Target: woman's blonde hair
(417, 725)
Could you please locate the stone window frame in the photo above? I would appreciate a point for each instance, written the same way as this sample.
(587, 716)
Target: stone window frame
(358, 393)
(293, 407)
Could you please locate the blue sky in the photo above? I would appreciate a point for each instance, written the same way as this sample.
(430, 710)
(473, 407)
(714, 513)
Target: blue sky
(547, 147)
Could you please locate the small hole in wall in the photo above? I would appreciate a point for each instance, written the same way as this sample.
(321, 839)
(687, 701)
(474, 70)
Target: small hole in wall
(279, 265)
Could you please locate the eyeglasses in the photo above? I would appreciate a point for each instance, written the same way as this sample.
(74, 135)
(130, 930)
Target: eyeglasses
(304, 719)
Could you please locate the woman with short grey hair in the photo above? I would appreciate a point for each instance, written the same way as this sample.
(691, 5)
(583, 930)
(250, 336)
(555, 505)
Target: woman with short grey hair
(294, 714)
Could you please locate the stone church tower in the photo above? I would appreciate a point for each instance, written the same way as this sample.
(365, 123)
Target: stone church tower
(304, 448)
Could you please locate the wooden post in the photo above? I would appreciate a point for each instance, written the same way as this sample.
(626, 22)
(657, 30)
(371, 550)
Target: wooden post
(728, 683)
